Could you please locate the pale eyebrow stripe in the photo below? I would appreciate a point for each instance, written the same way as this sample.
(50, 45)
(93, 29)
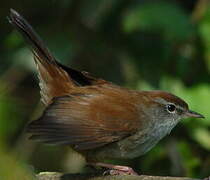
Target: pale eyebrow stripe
(164, 102)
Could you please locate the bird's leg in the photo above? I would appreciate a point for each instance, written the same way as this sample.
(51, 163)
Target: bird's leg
(115, 169)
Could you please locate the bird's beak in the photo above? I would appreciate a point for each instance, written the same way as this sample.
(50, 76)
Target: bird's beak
(190, 113)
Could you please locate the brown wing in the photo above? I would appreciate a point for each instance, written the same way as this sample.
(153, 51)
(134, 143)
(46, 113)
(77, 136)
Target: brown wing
(55, 78)
(85, 121)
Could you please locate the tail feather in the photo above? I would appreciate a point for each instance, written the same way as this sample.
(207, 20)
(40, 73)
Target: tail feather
(50, 73)
(30, 35)
(55, 78)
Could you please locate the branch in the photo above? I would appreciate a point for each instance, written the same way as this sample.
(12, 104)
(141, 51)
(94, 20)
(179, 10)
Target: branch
(60, 176)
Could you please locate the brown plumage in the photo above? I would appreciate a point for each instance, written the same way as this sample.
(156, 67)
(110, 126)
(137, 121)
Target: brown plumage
(83, 121)
(76, 96)
(93, 115)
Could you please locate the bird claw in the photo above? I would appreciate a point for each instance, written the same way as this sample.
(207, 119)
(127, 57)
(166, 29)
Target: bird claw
(115, 169)
(120, 170)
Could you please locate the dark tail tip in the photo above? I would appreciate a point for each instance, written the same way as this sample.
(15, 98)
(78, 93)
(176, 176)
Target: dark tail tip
(26, 30)
(14, 13)
(14, 16)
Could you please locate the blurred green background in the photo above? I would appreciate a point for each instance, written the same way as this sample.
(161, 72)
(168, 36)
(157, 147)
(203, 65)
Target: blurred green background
(141, 44)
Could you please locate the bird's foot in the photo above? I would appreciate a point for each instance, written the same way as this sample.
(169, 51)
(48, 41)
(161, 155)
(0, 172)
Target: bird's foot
(115, 169)
(122, 170)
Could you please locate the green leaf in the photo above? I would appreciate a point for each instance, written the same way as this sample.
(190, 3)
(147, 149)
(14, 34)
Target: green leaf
(204, 30)
(164, 17)
(202, 136)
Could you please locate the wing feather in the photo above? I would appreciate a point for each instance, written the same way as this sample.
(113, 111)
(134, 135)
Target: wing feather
(84, 122)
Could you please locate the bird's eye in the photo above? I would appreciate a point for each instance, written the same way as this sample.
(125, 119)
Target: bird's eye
(171, 108)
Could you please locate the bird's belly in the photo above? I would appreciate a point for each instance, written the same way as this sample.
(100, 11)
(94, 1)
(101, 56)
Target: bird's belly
(126, 150)
(133, 146)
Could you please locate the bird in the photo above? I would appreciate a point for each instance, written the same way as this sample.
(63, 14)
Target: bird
(95, 117)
